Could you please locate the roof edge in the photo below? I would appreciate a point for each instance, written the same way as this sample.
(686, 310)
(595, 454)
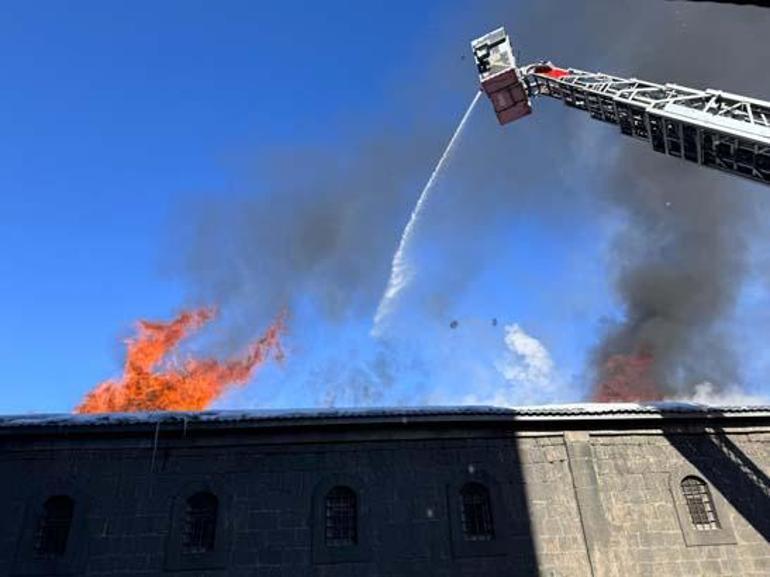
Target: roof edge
(572, 413)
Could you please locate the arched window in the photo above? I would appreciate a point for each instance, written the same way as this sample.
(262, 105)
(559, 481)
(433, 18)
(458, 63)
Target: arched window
(476, 513)
(341, 517)
(700, 504)
(53, 528)
(200, 523)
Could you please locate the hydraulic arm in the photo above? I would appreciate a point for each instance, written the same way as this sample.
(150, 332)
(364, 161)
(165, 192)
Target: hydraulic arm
(707, 127)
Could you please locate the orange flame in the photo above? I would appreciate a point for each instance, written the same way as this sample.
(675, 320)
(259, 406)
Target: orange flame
(627, 378)
(190, 385)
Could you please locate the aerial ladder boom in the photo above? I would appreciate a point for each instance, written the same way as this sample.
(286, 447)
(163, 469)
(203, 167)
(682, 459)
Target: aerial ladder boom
(707, 127)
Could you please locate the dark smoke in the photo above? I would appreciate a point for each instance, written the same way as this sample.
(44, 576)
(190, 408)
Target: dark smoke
(318, 228)
(679, 267)
(681, 256)
(681, 263)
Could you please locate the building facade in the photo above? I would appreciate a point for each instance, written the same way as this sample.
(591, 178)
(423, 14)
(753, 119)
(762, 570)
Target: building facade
(578, 491)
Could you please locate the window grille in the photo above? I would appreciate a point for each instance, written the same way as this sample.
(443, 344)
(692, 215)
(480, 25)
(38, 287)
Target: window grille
(54, 527)
(200, 523)
(476, 513)
(341, 517)
(700, 504)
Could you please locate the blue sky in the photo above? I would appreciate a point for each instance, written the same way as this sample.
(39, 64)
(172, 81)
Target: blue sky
(122, 119)
(113, 112)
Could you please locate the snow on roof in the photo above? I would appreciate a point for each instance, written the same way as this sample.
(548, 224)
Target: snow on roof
(404, 414)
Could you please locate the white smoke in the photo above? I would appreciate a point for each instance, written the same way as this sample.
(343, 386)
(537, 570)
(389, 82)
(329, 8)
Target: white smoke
(709, 394)
(529, 372)
(529, 360)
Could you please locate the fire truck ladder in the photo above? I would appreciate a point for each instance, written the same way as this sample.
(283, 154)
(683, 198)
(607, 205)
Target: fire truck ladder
(707, 127)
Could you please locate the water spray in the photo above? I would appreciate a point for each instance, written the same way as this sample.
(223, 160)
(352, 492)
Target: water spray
(401, 272)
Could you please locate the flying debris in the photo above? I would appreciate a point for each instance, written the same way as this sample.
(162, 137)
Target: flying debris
(454, 324)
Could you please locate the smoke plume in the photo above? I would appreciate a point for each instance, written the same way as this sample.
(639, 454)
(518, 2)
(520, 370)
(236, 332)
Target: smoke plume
(681, 253)
(682, 256)
(708, 394)
(317, 229)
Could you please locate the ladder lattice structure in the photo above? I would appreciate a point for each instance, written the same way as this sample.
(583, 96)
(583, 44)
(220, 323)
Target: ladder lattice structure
(706, 127)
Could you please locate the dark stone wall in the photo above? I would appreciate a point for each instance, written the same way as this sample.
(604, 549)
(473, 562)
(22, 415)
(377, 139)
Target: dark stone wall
(127, 494)
(587, 502)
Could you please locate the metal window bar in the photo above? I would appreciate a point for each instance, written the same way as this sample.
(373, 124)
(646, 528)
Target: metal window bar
(200, 523)
(476, 513)
(700, 504)
(341, 528)
(54, 528)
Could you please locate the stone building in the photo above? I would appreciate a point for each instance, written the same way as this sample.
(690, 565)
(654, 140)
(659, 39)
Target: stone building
(578, 491)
